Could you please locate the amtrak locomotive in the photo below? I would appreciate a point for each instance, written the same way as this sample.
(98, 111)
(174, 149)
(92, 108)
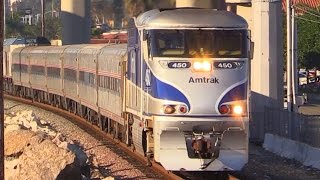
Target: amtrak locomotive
(177, 92)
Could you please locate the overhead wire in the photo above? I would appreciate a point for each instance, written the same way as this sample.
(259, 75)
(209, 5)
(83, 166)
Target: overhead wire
(306, 19)
(314, 10)
(307, 11)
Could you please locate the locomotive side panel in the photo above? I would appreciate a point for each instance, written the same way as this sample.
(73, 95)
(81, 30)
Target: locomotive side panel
(133, 99)
(133, 87)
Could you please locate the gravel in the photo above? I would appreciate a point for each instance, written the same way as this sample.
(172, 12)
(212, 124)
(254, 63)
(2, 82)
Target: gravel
(266, 165)
(107, 160)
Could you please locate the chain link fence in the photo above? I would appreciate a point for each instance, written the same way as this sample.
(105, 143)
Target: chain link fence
(295, 126)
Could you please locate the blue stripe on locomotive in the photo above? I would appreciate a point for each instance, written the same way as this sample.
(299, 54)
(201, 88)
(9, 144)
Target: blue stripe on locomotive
(158, 89)
(235, 94)
(165, 91)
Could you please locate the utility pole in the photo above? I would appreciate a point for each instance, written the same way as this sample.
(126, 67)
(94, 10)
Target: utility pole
(1, 93)
(295, 80)
(43, 28)
(51, 8)
(4, 21)
(289, 61)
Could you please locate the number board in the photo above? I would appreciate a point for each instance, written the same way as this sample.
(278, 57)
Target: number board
(228, 65)
(179, 65)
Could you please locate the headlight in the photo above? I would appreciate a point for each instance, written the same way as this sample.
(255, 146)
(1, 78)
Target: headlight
(201, 66)
(168, 109)
(173, 109)
(237, 109)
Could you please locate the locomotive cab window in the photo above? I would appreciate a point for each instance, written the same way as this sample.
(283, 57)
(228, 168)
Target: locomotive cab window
(199, 43)
(167, 43)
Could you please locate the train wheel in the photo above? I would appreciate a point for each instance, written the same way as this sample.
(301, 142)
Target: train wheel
(63, 103)
(95, 118)
(39, 97)
(74, 107)
(101, 122)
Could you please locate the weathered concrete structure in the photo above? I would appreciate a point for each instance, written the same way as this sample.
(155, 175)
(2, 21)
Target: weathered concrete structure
(265, 18)
(194, 3)
(75, 17)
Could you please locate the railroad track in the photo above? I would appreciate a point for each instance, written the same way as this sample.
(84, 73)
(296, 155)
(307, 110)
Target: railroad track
(101, 135)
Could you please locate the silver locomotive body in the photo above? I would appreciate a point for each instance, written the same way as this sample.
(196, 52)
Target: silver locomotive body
(192, 74)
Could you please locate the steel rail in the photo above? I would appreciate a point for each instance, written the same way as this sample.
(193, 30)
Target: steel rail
(102, 135)
(87, 126)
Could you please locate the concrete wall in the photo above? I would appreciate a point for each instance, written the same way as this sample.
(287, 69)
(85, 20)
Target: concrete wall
(194, 3)
(267, 64)
(265, 23)
(76, 21)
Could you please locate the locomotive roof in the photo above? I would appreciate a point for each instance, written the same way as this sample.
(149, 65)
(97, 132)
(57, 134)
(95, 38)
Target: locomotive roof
(190, 18)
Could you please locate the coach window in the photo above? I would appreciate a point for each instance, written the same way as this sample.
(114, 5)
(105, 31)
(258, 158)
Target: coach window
(100, 83)
(70, 74)
(106, 81)
(118, 85)
(81, 76)
(15, 67)
(91, 79)
(24, 68)
(85, 78)
(114, 84)
(53, 72)
(38, 70)
(111, 84)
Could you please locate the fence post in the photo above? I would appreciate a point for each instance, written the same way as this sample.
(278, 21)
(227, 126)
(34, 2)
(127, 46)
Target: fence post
(1, 92)
(289, 135)
(264, 124)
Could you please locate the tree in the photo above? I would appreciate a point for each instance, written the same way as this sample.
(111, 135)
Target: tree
(118, 13)
(31, 31)
(14, 27)
(311, 60)
(53, 27)
(308, 41)
(136, 7)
